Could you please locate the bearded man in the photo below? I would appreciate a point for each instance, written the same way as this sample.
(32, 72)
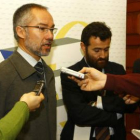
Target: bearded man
(98, 108)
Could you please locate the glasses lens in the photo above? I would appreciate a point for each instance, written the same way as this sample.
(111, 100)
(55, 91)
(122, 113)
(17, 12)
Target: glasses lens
(54, 30)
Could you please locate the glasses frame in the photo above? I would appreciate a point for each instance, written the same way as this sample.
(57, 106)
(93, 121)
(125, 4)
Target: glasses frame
(42, 29)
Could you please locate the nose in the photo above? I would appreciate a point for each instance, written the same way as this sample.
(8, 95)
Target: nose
(102, 54)
(49, 35)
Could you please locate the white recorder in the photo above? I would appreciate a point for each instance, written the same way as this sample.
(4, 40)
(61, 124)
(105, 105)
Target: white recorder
(73, 73)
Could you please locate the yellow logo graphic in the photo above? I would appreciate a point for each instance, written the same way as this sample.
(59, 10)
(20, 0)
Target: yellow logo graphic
(61, 34)
(67, 27)
(62, 124)
(52, 66)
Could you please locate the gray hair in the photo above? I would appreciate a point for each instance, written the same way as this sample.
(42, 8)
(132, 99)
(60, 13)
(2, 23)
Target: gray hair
(23, 16)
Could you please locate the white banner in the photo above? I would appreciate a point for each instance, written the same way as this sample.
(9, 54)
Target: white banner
(70, 17)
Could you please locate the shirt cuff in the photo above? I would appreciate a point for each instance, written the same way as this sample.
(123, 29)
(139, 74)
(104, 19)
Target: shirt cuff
(119, 115)
(99, 102)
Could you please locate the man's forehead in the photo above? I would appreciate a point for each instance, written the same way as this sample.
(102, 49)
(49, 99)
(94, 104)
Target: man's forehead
(42, 17)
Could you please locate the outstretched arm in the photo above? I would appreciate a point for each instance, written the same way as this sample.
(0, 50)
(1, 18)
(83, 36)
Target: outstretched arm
(11, 124)
(95, 80)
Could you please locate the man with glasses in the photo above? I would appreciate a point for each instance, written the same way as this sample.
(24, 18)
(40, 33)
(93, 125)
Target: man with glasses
(33, 29)
(99, 109)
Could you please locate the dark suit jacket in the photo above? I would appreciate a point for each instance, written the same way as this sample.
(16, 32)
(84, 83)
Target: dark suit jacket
(136, 66)
(17, 77)
(82, 114)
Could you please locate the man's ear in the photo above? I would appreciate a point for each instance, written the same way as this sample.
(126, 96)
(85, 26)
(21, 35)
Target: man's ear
(20, 32)
(83, 47)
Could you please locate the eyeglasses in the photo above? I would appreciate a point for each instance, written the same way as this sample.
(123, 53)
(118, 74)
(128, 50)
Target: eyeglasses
(43, 29)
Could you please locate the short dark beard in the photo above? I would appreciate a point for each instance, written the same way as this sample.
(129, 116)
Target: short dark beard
(95, 64)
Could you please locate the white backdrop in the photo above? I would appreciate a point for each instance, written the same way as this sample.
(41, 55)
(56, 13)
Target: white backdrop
(70, 17)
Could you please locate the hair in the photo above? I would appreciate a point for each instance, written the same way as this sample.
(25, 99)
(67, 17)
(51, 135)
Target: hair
(97, 29)
(23, 16)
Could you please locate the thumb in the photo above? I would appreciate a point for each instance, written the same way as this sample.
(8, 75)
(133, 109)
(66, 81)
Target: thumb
(33, 93)
(42, 96)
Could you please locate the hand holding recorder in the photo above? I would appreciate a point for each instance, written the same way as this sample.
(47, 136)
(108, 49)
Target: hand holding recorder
(72, 73)
(32, 100)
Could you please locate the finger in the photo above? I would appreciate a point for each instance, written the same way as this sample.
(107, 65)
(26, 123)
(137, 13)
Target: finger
(32, 93)
(42, 96)
(33, 110)
(127, 101)
(38, 106)
(81, 84)
(126, 97)
(84, 70)
(75, 79)
(70, 77)
(85, 82)
(132, 102)
(84, 87)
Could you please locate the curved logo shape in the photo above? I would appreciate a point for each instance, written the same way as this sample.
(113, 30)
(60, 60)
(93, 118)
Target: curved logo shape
(67, 27)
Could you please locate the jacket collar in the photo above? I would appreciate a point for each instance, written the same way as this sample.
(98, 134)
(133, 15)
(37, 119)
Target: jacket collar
(23, 68)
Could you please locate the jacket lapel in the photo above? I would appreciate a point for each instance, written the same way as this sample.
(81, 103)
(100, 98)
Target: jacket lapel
(23, 68)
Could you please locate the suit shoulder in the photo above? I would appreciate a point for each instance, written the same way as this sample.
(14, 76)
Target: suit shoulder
(77, 66)
(115, 68)
(137, 61)
(7, 72)
(114, 64)
(6, 67)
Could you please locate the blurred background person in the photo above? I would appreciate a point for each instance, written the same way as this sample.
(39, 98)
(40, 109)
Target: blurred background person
(136, 66)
